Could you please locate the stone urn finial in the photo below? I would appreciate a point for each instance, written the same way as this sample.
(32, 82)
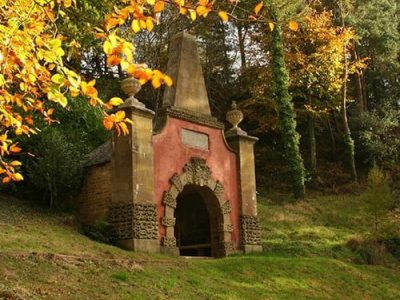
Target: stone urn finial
(234, 116)
(131, 86)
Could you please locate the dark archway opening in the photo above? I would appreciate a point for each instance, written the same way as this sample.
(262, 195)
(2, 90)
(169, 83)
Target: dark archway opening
(197, 222)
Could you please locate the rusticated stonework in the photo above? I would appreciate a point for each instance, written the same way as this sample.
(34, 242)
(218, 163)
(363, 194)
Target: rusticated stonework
(250, 230)
(120, 219)
(198, 171)
(169, 242)
(226, 228)
(227, 247)
(169, 222)
(226, 208)
(219, 190)
(169, 200)
(133, 221)
(176, 181)
(145, 221)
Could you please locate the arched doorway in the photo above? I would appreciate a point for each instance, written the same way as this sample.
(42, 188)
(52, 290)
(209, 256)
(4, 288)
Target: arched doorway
(195, 182)
(198, 219)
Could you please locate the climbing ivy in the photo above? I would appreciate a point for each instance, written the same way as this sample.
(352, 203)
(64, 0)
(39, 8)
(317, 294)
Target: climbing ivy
(286, 115)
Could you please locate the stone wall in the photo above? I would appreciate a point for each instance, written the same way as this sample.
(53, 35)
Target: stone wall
(250, 230)
(95, 197)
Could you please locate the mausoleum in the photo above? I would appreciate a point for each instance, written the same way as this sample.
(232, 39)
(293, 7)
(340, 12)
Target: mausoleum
(178, 183)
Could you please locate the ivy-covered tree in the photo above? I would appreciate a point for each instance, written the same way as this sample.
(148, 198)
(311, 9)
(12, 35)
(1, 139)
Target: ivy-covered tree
(286, 114)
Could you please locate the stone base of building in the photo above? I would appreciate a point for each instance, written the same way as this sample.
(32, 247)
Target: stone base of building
(140, 245)
(173, 251)
(252, 249)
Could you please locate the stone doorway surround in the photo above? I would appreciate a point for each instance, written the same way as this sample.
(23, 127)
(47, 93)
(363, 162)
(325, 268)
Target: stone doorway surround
(196, 173)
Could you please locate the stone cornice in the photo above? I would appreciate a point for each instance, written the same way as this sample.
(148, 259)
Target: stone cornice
(186, 115)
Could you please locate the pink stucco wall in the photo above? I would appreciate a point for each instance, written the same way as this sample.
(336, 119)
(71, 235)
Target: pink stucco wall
(170, 156)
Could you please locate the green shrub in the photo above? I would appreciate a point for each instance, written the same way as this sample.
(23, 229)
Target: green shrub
(100, 231)
(371, 251)
(55, 170)
(379, 136)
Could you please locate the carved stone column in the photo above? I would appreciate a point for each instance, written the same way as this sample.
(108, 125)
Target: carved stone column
(133, 211)
(243, 144)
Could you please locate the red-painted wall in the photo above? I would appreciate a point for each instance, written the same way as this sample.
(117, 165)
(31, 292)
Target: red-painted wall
(170, 156)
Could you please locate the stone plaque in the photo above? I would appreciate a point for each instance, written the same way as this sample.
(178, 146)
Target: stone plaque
(195, 139)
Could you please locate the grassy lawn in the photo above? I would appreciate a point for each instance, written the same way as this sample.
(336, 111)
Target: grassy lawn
(305, 258)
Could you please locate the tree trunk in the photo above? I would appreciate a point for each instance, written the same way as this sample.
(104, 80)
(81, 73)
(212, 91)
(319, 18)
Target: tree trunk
(333, 141)
(364, 90)
(348, 140)
(226, 55)
(311, 140)
(286, 115)
(313, 145)
(360, 90)
(241, 47)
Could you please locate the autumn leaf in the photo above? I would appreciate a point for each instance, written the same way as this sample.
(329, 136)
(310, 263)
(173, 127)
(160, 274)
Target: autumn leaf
(193, 14)
(119, 116)
(15, 163)
(17, 177)
(135, 26)
(159, 6)
(15, 149)
(201, 10)
(108, 123)
(149, 24)
(156, 82)
(294, 26)
(168, 80)
(224, 16)
(258, 7)
(116, 101)
(271, 26)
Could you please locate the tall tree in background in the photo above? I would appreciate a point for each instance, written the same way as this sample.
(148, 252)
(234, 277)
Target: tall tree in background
(315, 59)
(348, 140)
(286, 115)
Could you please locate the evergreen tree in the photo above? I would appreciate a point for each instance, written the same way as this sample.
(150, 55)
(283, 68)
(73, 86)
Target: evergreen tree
(286, 114)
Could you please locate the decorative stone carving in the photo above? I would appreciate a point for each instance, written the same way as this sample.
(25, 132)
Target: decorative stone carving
(169, 242)
(198, 172)
(176, 181)
(219, 190)
(131, 86)
(226, 208)
(120, 219)
(250, 230)
(226, 228)
(169, 222)
(227, 247)
(169, 200)
(234, 117)
(145, 221)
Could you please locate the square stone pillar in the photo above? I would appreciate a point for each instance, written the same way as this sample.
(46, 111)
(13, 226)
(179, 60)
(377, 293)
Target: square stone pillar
(250, 232)
(133, 213)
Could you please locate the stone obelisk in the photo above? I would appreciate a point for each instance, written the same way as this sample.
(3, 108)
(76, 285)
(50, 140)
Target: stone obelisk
(189, 90)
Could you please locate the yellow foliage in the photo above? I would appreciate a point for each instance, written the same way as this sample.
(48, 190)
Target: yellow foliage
(224, 16)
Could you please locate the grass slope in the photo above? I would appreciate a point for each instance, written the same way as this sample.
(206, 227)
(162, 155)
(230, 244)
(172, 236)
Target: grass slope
(43, 258)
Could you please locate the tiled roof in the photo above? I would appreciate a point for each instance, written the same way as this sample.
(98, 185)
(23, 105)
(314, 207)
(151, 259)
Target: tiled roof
(99, 156)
